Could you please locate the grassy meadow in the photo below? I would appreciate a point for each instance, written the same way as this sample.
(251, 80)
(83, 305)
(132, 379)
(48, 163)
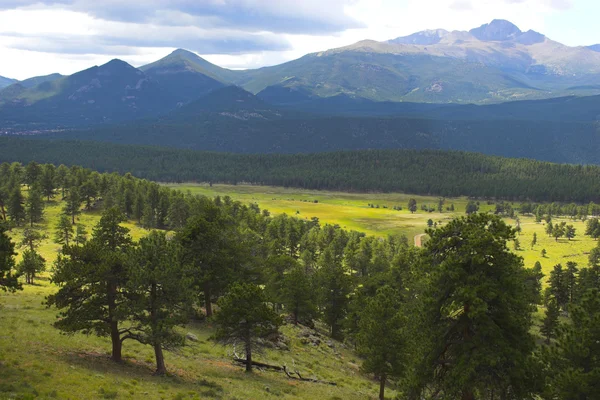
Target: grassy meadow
(37, 361)
(352, 211)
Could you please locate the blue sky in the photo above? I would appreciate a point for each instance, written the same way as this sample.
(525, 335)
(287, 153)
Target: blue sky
(44, 36)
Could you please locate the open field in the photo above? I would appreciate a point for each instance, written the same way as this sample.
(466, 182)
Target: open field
(352, 211)
(36, 361)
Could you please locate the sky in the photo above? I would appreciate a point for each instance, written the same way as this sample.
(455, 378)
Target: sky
(39, 37)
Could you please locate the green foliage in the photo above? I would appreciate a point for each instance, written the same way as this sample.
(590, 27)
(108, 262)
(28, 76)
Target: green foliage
(550, 322)
(298, 295)
(381, 337)
(335, 286)
(8, 281)
(574, 360)
(429, 172)
(31, 265)
(15, 208)
(91, 278)
(73, 202)
(63, 231)
(159, 295)
(244, 317)
(34, 204)
(472, 283)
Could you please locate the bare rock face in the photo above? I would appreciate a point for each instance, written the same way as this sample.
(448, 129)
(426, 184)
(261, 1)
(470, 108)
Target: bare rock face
(497, 30)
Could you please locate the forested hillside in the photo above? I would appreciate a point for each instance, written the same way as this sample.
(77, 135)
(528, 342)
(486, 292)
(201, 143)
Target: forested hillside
(411, 171)
(420, 321)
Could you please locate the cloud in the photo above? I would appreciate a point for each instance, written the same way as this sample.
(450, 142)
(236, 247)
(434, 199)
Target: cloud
(277, 16)
(189, 38)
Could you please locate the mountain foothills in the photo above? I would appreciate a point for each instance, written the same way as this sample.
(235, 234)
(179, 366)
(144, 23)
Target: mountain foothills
(494, 89)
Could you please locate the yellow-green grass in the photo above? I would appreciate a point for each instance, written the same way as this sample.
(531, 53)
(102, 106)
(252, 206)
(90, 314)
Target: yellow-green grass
(352, 211)
(349, 210)
(37, 361)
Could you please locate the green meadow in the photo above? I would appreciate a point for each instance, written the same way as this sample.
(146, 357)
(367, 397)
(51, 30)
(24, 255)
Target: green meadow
(352, 211)
(37, 361)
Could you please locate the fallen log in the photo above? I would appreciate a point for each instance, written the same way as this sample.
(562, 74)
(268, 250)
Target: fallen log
(285, 370)
(259, 364)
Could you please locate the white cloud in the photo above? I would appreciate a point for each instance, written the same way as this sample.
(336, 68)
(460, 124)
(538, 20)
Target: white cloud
(246, 33)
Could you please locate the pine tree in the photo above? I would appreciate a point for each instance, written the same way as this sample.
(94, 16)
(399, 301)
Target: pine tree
(558, 286)
(549, 228)
(244, 317)
(534, 240)
(381, 337)
(48, 181)
(15, 209)
(472, 281)
(335, 286)
(91, 278)
(550, 322)
(298, 295)
(80, 235)
(160, 295)
(31, 265)
(574, 359)
(8, 280)
(570, 232)
(64, 231)
(32, 239)
(34, 205)
(412, 205)
(72, 206)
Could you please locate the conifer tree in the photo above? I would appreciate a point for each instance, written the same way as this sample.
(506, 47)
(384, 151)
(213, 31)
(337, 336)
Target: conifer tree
(64, 231)
(574, 359)
(244, 317)
(550, 322)
(381, 337)
(91, 280)
(298, 295)
(8, 280)
(72, 206)
(472, 281)
(34, 204)
(159, 295)
(15, 208)
(48, 181)
(31, 265)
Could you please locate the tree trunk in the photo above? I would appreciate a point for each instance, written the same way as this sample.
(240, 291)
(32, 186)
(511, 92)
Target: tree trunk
(248, 355)
(115, 336)
(160, 360)
(73, 218)
(207, 301)
(382, 387)
(468, 395)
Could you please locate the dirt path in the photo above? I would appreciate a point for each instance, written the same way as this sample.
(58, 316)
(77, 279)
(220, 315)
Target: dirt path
(418, 239)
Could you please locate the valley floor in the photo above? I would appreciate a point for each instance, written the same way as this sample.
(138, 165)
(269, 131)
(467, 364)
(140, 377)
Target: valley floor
(353, 211)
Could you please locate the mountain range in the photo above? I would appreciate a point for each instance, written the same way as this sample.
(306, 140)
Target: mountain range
(431, 89)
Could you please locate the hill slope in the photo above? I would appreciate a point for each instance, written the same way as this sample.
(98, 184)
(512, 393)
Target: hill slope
(4, 82)
(183, 75)
(492, 63)
(112, 92)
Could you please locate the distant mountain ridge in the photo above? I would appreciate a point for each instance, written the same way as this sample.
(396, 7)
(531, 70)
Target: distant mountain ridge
(494, 63)
(4, 82)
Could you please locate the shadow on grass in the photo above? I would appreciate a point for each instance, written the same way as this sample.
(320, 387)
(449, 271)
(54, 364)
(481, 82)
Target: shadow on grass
(132, 368)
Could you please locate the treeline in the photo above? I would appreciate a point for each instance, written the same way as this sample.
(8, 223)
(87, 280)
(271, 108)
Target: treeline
(425, 172)
(451, 320)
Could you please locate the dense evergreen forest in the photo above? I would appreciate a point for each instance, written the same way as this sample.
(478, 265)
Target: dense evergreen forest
(428, 172)
(453, 320)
